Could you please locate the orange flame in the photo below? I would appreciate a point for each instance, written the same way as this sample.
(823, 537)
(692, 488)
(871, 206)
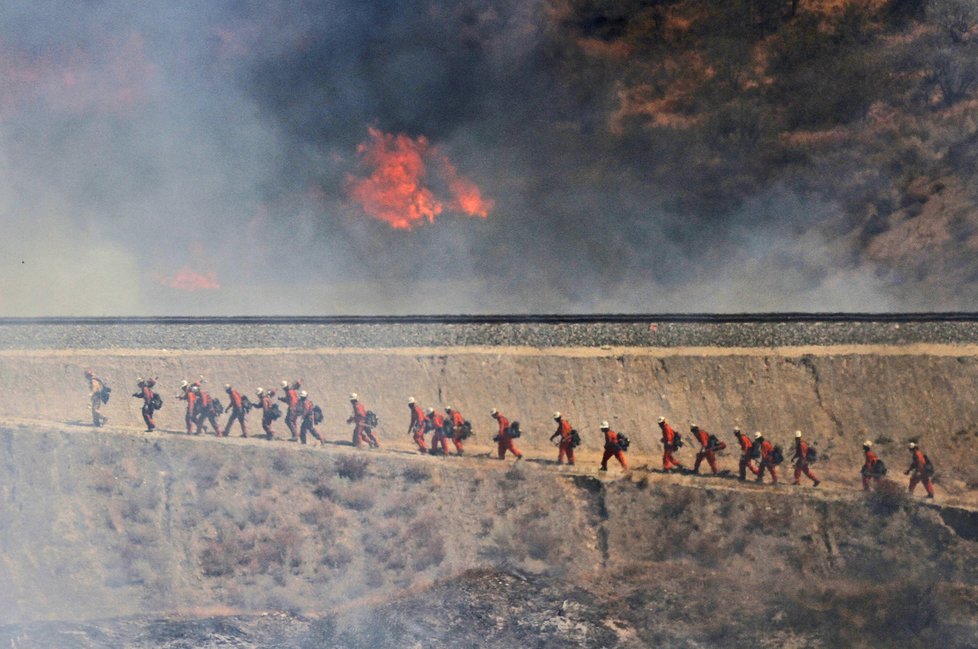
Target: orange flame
(396, 190)
(187, 279)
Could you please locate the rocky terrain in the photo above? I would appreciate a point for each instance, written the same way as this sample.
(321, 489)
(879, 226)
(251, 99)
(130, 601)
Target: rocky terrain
(116, 537)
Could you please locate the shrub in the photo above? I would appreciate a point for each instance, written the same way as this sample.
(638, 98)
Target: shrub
(887, 498)
(358, 498)
(416, 474)
(352, 467)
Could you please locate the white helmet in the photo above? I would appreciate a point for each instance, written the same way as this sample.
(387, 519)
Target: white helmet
(410, 401)
(867, 443)
(303, 394)
(429, 411)
(912, 445)
(448, 408)
(662, 420)
(259, 391)
(353, 396)
(184, 383)
(758, 435)
(556, 415)
(605, 425)
(284, 383)
(493, 412)
(227, 386)
(797, 434)
(736, 429)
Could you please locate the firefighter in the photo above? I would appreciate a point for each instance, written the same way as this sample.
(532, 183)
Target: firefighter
(565, 444)
(362, 434)
(612, 449)
(746, 461)
(97, 396)
(291, 401)
(669, 446)
(921, 470)
(503, 440)
(308, 415)
(800, 459)
(767, 458)
(146, 394)
(207, 409)
(706, 449)
(436, 424)
(265, 403)
(237, 408)
(187, 394)
(457, 422)
(417, 426)
(872, 467)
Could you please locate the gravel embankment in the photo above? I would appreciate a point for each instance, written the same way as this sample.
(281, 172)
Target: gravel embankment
(642, 334)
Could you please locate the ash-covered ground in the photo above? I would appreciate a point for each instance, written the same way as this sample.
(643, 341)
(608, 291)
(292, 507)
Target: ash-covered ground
(641, 333)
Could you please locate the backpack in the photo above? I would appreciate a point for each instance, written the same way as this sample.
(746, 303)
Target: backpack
(623, 442)
(713, 443)
(575, 438)
(466, 431)
(371, 419)
(754, 452)
(879, 468)
(246, 403)
(104, 394)
(811, 455)
(317, 415)
(217, 407)
(928, 467)
(514, 430)
(157, 401)
(274, 412)
(777, 456)
(677, 441)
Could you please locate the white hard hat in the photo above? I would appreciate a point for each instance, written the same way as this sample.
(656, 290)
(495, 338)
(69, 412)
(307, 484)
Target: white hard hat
(353, 396)
(758, 435)
(605, 425)
(184, 383)
(493, 412)
(227, 386)
(867, 443)
(303, 394)
(429, 411)
(285, 383)
(797, 434)
(448, 408)
(556, 415)
(410, 400)
(195, 388)
(662, 420)
(736, 429)
(912, 445)
(259, 391)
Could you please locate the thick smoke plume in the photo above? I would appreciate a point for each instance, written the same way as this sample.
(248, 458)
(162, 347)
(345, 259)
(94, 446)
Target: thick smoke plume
(321, 157)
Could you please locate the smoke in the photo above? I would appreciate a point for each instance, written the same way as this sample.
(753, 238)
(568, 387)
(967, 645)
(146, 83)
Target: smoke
(328, 157)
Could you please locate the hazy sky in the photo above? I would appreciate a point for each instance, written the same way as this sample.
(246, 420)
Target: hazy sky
(348, 156)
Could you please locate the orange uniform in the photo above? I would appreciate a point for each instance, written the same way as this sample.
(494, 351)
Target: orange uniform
(919, 473)
(237, 412)
(668, 447)
(870, 470)
(458, 423)
(361, 432)
(417, 426)
(191, 398)
(306, 409)
(266, 413)
(705, 451)
(146, 394)
(767, 461)
(503, 440)
(612, 450)
(291, 401)
(436, 423)
(746, 463)
(800, 459)
(564, 445)
(207, 412)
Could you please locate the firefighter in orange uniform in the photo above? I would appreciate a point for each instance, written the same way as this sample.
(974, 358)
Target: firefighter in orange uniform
(457, 422)
(237, 409)
(565, 444)
(265, 403)
(436, 424)
(207, 410)
(361, 432)
(746, 462)
(767, 459)
(292, 409)
(800, 458)
(612, 449)
(417, 426)
(308, 414)
(146, 394)
(706, 449)
(187, 394)
(871, 471)
(95, 388)
(503, 440)
(921, 470)
(669, 446)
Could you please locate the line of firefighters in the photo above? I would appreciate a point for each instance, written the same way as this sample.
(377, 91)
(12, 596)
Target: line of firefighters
(757, 456)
